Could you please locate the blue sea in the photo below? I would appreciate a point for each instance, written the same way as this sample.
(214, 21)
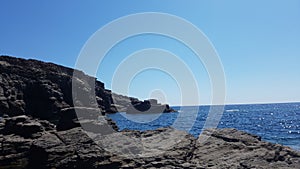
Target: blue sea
(276, 123)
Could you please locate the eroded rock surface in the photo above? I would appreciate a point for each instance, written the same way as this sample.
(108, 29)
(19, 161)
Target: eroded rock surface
(44, 147)
(230, 148)
(42, 90)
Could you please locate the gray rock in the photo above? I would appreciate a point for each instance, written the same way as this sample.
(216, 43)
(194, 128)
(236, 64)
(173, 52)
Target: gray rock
(161, 148)
(230, 148)
(44, 90)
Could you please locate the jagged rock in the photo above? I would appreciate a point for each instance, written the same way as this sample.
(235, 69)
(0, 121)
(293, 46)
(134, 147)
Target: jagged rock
(69, 116)
(43, 90)
(23, 126)
(148, 106)
(112, 124)
(161, 148)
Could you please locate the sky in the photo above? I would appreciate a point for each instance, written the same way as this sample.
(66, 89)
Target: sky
(257, 43)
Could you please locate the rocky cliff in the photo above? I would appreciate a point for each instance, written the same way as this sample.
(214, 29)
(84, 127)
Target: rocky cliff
(43, 90)
(40, 129)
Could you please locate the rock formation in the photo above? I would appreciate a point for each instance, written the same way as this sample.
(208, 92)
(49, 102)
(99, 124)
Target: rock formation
(43, 89)
(43, 126)
(32, 143)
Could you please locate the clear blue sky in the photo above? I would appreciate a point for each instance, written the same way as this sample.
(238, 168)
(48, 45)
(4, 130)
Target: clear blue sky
(258, 42)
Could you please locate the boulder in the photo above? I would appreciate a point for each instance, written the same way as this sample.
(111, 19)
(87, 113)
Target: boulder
(23, 126)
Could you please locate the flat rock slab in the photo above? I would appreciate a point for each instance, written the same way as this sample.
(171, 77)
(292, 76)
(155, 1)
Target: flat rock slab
(230, 148)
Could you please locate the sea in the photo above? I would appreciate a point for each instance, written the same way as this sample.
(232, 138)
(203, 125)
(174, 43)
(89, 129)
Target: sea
(276, 123)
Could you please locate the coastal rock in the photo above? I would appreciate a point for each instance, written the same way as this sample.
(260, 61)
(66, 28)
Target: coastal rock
(51, 149)
(44, 90)
(69, 117)
(23, 126)
(43, 126)
(148, 106)
(230, 148)
(161, 148)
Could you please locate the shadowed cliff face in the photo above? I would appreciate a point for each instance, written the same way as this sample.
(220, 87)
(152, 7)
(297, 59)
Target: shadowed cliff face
(42, 90)
(38, 89)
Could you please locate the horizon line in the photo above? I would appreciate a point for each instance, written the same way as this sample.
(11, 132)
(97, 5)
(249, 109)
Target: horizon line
(232, 104)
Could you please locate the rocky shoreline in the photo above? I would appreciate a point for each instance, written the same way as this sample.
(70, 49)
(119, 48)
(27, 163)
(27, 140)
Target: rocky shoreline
(32, 143)
(43, 126)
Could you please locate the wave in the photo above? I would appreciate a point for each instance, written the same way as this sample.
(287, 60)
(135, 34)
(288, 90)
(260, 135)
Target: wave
(232, 110)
